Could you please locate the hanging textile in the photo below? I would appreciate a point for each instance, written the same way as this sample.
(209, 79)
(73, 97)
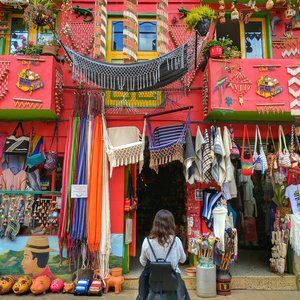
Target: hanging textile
(78, 232)
(95, 189)
(64, 196)
(162, 26)
(124, 145)
(105, 250)
(140, 76)
(130, 31)
(166, 143)
(100, 25)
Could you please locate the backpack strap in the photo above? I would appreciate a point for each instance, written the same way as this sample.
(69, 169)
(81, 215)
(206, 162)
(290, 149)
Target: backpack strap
(168, 251)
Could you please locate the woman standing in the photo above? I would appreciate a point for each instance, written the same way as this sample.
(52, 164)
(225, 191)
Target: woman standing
(162, 243)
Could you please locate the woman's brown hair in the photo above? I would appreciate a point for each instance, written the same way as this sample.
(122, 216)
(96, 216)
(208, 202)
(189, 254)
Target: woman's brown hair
(163, 226)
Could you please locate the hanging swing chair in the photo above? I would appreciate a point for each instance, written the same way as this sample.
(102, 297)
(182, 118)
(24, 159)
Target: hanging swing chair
(124, 145)
(166, 143)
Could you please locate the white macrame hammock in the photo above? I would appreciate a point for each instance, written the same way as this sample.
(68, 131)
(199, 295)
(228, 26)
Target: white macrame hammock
(124, 145)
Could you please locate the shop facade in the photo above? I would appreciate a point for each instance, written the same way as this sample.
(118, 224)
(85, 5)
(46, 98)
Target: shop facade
(259, 88)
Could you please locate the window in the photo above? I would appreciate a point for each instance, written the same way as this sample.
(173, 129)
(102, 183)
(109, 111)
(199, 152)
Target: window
(18, 36)
(250, 38)
(147, 37)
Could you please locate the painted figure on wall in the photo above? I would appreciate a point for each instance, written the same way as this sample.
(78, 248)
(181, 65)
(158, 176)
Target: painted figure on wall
(36, 256)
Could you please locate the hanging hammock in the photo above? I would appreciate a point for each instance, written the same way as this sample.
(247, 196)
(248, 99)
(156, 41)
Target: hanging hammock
(124, 145)
(141, 76)
(166, 143)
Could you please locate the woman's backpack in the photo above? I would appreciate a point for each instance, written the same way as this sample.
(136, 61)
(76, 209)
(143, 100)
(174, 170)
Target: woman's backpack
(162, 277)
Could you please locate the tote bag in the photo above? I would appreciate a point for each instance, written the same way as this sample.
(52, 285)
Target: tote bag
(17, 145)
(271, 152)
(247, 164)
(283, 153)
(259, 159)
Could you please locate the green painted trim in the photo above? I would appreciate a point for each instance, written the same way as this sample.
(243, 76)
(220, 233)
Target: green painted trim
(2, 46)
(219, 115)
(126, 258)
(12, 192)
(269, 36)
(28, 114)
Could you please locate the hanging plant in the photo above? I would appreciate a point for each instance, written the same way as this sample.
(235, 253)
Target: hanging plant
(40, 13)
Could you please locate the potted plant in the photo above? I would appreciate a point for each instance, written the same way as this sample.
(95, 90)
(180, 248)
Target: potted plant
(40, 13)
(50, 47)
(29, 49)
(199, 18)
(229, 50)
(212, 49)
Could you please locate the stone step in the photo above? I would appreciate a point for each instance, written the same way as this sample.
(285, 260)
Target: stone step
(286, 282)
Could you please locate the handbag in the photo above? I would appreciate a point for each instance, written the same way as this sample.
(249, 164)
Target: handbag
(234, 151)
(246, 163)
(294, 157)
(37, 156)
(17, 145)
(259, 159)
(283, 154)
(271, 152)
(52, 157)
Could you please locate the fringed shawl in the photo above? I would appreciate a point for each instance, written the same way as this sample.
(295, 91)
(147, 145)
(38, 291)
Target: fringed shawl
(124, 146)
(166, 143)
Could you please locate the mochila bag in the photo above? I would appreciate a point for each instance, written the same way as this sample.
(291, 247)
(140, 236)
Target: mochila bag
(17, 145)
(259, 159)
(246, 163)
(294, 157)
(271, 152)
(52, 157)
(283, 154)
(37, 156)
(234, 151)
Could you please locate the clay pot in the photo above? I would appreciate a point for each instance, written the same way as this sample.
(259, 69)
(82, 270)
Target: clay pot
(116, 272)
(202, 26)
(49, 50)
(191, 271)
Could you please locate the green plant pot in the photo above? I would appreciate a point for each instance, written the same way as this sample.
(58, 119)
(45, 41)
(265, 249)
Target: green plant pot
(202, 26)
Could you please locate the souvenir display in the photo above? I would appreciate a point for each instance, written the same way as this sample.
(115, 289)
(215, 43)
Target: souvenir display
(22, 285)
(115, 280)
(69, 287)
(6, 284)
(268, 87)
(29, 81)
(40, 285)
(57, 285)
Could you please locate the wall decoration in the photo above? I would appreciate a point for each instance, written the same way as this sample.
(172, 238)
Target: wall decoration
(219, 86)
(268, 87)
(263, 68)
(228, 101)
(84, 12)
(267, 108)
(29, 81)
(240, 85)
(205, 93)
(294, 81)
(28, 103)
(162, 26)
(4, 70)
(58, 93)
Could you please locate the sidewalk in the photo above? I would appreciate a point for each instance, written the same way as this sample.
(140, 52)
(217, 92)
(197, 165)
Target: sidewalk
(131, 295)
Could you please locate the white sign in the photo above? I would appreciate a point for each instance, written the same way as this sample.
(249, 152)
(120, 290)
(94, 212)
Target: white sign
(79, 191)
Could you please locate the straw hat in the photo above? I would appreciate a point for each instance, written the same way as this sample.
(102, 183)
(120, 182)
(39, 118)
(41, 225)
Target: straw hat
(38, 244)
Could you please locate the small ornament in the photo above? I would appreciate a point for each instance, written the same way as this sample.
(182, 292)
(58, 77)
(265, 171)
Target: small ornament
(29, 81)
(268, 87)
(269, 4)
(228, 101)
(235, 15)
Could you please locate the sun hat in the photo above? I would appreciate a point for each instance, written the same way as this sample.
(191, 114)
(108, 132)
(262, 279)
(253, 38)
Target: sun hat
(38, 244)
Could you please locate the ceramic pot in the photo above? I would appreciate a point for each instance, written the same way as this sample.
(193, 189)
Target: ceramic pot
(223, 283)
(215, 51)
(202, 26)
(49, 50)
(116, 272)
(296, 22)
(191, 271)
(269, 4)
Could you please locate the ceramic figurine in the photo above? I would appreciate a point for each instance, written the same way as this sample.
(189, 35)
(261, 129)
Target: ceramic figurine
(269, 4)
(40, 285)
(115, 280)
(22, 285)
(6, 284)
(235, 15)
(56, 285)
(69, 287)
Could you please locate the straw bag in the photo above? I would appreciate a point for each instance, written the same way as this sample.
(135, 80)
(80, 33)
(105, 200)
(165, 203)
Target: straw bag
(283, 154)
(247, 164)
(260, 160)
(52, 157)
(271, 152)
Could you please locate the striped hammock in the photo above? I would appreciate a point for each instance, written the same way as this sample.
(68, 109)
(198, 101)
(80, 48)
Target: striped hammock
(166, 143)
(124, 145)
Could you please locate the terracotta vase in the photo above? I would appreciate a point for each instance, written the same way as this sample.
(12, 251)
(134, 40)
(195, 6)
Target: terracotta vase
(116, 272)
(49, 50)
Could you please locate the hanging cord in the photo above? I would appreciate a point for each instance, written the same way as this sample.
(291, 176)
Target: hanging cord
(84, 256)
